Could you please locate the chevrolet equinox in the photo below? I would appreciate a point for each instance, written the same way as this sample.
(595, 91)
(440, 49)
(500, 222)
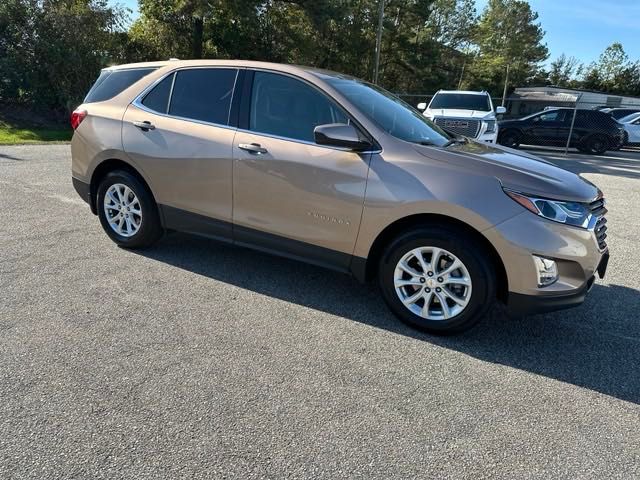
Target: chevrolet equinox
(329, 169)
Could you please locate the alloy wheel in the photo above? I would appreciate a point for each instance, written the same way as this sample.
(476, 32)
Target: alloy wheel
(122, 210)
(432, 283)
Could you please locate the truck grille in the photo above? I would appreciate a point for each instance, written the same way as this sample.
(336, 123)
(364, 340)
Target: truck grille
(460, 126)
(598, 209)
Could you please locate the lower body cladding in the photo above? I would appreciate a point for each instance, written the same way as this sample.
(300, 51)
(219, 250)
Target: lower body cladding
(572, 255)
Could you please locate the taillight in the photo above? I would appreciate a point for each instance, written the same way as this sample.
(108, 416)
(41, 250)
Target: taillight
(77, 116)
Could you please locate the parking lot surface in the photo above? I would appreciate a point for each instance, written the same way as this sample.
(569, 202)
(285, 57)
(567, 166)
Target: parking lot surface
(195, 359)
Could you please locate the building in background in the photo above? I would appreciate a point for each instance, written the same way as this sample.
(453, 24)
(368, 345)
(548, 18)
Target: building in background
(527, 100)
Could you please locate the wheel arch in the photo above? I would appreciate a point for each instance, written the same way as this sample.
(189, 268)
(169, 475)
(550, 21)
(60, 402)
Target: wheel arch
(102, 169)
(366, 269)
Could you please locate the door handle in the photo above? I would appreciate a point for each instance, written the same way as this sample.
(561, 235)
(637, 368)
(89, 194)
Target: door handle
(144, 126)
(252, 148)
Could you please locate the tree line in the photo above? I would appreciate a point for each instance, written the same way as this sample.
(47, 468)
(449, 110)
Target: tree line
(51, 51)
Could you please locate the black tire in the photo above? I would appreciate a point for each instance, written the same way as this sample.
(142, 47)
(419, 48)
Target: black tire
(150, 229)
(474, 258)
(510, 138)
(596, 144)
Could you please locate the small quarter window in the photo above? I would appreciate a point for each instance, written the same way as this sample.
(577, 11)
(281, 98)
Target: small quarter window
(158, 98)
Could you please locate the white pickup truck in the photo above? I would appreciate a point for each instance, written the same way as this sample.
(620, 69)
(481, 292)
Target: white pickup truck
(465, 113)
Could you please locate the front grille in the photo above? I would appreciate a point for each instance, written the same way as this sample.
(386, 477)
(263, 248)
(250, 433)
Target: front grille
(460, 126)
(598, 210)
(601, 232)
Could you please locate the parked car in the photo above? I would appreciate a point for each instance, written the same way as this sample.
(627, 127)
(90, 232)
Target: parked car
(593, 131)
(464, 113)
(618, 113)
(326, 168)
(631, 124)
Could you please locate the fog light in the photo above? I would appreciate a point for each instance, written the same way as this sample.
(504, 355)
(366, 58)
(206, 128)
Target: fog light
(547, 271)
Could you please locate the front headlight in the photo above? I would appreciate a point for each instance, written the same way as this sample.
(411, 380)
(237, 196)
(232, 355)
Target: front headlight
(570, 213)
(491, 126)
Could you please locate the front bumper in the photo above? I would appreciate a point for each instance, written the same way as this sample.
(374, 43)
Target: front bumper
(488, 137)
(519, 304)
(575, 251)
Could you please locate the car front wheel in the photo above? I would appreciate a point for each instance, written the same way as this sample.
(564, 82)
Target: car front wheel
(127, 210)
(510, 138)
(436, 280)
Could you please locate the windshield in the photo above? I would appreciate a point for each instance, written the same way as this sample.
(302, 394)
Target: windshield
(629, 118)
(389, 112)
(461, 101)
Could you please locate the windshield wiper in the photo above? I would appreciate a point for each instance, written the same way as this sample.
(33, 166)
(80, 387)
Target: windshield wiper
(455, 141)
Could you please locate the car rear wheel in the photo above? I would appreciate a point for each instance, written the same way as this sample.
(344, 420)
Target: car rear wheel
(127, 210)
(436, 280)
(510, 138)
(596, 145)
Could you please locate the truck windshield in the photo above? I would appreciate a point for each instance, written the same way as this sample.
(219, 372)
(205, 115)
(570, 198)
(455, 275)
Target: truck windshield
(389, 112)
(461, 101)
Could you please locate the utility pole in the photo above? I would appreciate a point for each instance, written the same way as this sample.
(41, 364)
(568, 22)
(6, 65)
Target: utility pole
(378, 41)
(506, 83)
(462, 73)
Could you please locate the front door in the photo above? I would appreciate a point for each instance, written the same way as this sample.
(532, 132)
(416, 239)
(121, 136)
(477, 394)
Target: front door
(179, 136)
(546, 128)
(292, 196)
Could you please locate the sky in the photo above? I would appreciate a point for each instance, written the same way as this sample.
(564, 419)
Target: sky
(579, 28)
(584, 28)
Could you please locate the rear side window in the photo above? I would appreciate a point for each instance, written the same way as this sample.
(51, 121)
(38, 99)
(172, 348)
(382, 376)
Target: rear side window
(203, 94)
(289, 108)
(598, 119)
(158, 98)
(111, 83)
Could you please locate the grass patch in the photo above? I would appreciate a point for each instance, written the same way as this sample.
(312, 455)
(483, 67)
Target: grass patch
(21, 134)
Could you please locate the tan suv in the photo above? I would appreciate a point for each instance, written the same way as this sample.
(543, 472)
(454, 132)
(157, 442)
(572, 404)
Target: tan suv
(332, 170)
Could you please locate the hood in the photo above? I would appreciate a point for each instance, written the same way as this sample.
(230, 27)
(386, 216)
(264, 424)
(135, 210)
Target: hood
(459, 113)
(516, 170)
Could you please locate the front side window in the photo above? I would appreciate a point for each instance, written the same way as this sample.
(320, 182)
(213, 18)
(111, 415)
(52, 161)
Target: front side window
(554, 116)
(461, 101)
(389, 112)
(286, 107)
(203, 94)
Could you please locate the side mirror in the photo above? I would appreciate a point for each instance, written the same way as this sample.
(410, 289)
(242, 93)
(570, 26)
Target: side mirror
(422, 106)
(501, 110)
(340, 135)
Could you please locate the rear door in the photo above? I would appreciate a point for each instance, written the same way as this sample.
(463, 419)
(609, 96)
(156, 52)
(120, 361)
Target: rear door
(180, 135)
(291, 195)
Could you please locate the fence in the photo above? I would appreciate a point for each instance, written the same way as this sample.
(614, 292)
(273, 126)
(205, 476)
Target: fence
(587, 122)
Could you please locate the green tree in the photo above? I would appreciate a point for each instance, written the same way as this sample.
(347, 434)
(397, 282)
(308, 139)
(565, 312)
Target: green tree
(614, 72)
(564, 70)
(451, 22)
(507, 34)
(51, 51)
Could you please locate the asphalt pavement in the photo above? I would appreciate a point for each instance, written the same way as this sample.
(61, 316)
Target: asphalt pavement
(196, 359)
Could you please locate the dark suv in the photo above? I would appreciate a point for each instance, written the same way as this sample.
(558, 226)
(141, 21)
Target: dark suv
(593, 132)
